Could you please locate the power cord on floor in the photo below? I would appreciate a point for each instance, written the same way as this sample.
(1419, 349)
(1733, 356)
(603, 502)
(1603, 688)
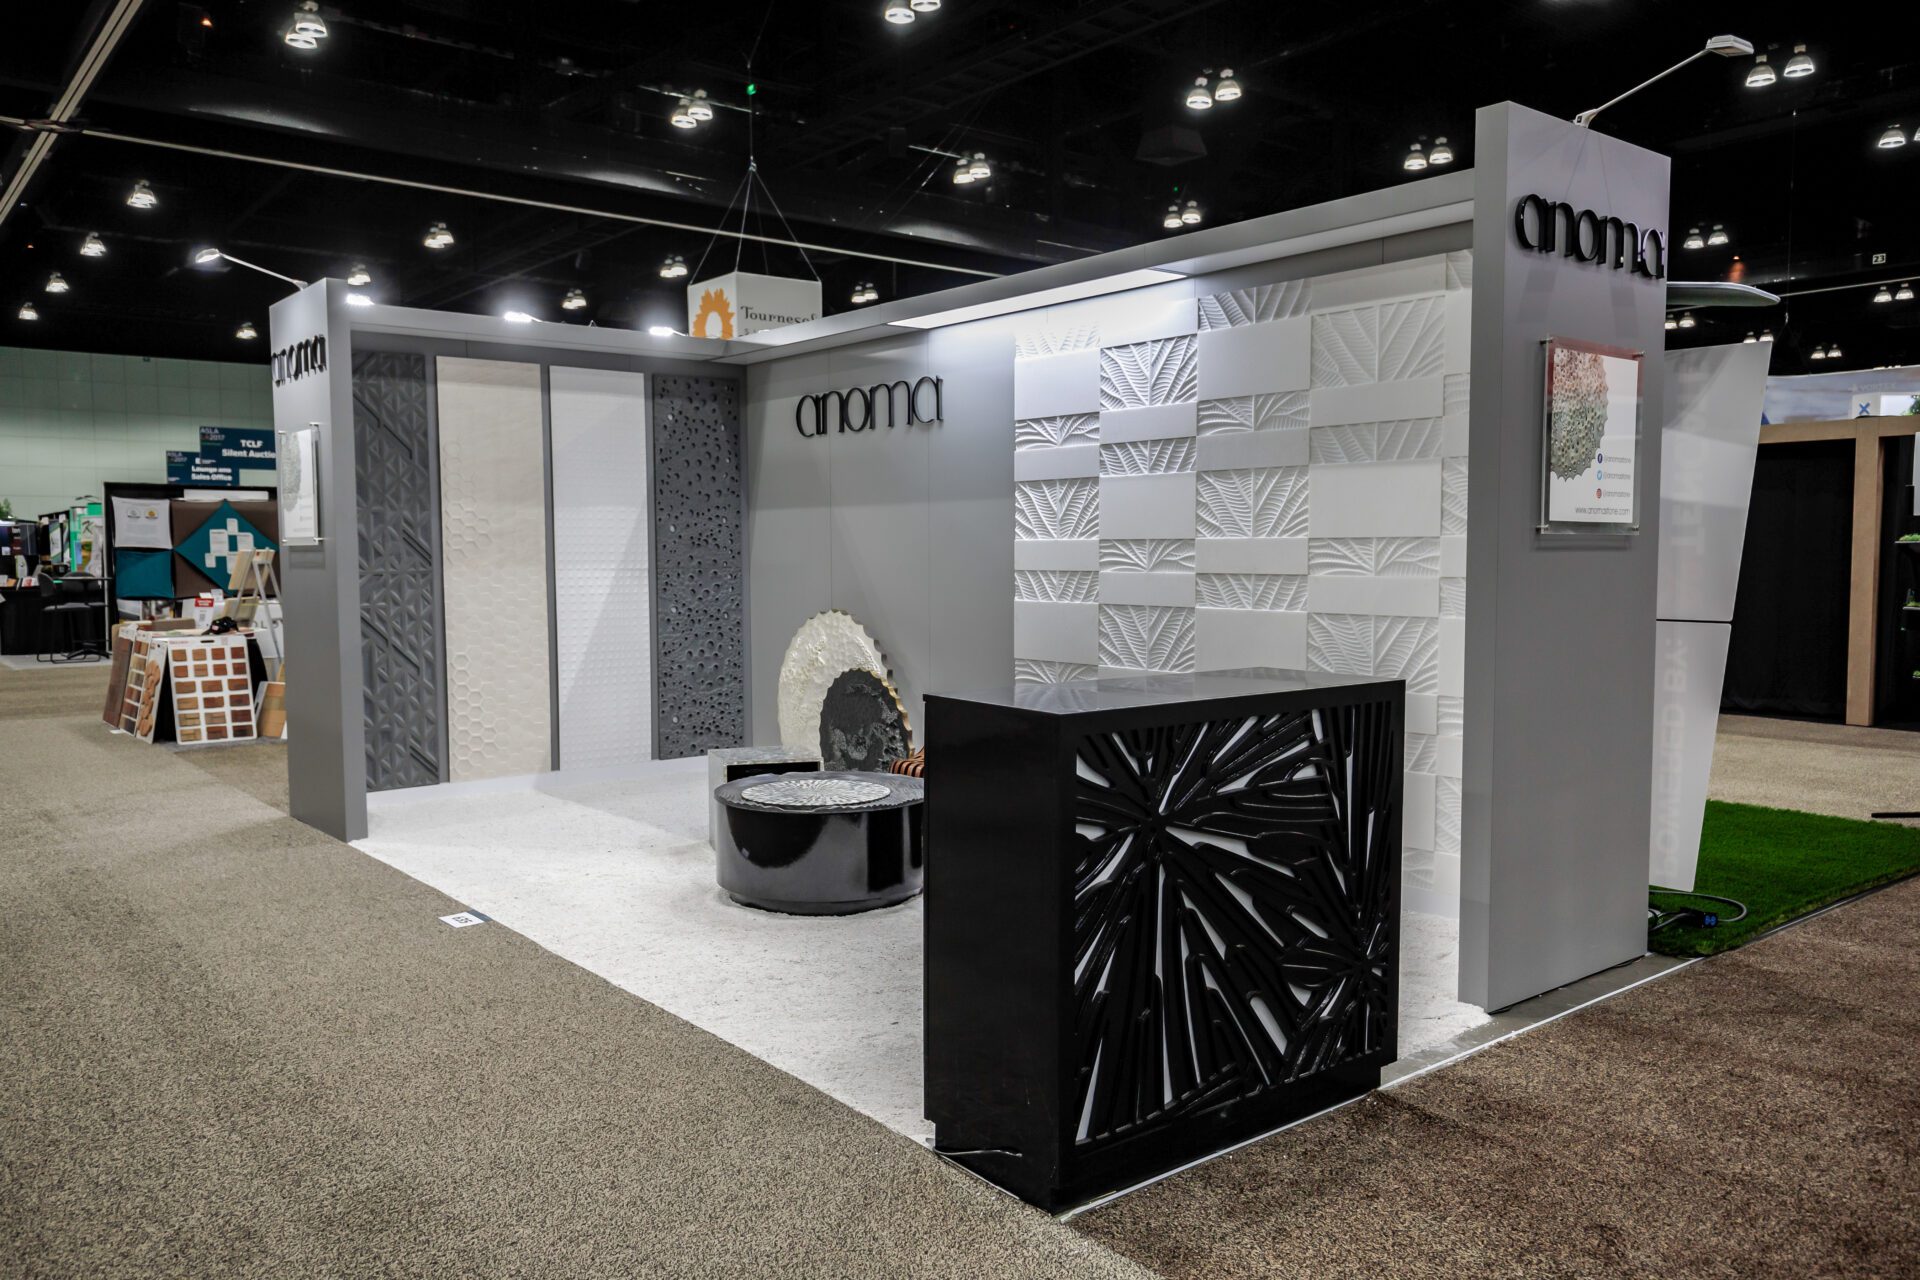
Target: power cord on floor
(1691, 917)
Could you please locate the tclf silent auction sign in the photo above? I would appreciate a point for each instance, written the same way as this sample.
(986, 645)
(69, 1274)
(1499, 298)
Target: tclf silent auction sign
(246, 450)
(1592, 435)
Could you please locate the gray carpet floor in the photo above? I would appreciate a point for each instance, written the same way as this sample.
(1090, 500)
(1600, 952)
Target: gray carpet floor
(233, 1047)
(1839, 769)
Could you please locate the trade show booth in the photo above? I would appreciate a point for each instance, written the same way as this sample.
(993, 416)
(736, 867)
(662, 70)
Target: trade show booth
(1298, 578)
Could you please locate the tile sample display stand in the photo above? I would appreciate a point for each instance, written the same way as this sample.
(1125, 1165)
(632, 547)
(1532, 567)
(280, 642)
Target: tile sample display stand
(1163, 917)
(729, 764)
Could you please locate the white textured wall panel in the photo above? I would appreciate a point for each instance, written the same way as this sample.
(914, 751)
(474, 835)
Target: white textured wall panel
(493, 524)
(601, 549)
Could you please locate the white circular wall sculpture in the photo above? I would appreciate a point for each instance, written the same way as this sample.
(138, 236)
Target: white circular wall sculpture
(826, 646)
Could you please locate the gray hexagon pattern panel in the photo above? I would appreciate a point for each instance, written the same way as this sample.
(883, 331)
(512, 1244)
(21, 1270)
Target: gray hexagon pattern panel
(398, 519)
(699, 622)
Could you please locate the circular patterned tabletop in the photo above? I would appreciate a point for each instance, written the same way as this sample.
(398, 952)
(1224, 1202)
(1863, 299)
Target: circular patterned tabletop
(824, 792)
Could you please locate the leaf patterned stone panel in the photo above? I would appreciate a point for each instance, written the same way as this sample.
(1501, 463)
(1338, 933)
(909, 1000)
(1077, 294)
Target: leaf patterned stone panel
(1146, 555)
(1254, 306)
(1066, 586)
(1286, 592)
(1038, 671)
(1269, 502)
(1047, 433)
(1235, 914)
(1139, 637)
(1165, 371)
(1050, 509)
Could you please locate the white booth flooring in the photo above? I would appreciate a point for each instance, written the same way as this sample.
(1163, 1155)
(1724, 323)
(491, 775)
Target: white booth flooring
(615, 875)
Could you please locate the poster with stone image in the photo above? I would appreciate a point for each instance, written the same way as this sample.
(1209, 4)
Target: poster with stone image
(1592, 435)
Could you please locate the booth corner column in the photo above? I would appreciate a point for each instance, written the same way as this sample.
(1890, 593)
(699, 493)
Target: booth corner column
(326, 747)
(1556, 786)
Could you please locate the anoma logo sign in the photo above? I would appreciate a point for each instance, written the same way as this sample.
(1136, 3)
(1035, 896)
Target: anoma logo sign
(717, 309)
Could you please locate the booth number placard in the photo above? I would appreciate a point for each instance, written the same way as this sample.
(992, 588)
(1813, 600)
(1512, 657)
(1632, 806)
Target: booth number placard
(1590, 440)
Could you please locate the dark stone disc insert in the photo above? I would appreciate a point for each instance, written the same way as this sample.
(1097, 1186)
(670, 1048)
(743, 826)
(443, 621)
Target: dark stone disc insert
(861, 724)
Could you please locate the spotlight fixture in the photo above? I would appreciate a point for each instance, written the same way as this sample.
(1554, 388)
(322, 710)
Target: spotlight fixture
(438, 237)
(1717, 236)
(683, 117)
(201, 257)
(573, 301)
(667, 331)
(699, 107)
(1895, 136)
(1818, 353)
(963, 172)
(359, 300)
(27, 311)
(924, 6)
(1762, 74)
(864, 293)
(142, 197)
(308, 28)
(1191, 215)
(359, 275)
(1199, 98)
(1724, 46)
(1694, 239)
(1671, 324)
(1441, 153)
(673, 268)
(1799, 64)
(1228, 90)
(979, 167)
(246, 332)
(1766, 335)
(516, 317)
(56, 283)
(1833, 352)
(1416, 159)
(1751, 337)
(896, 12)
(1885, 295)
(1686, 320)
(93, 246)
(1904, 293)
(1172, 219)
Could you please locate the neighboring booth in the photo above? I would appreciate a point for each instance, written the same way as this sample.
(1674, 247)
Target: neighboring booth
(1406, 441)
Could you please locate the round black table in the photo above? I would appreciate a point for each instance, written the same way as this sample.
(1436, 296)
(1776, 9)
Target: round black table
(822, 859)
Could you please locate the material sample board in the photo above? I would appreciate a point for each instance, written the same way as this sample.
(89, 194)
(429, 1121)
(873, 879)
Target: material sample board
(398, 516)
(212, 689)
(493, 524)
(601, 555)
(146, 674)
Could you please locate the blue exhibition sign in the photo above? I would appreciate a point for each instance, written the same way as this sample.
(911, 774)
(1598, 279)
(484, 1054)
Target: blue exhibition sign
(238, 447)
(199, 469)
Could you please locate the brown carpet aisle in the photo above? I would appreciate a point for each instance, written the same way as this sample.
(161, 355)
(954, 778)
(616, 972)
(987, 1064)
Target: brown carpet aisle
(233, 1047)
(1755, 1115)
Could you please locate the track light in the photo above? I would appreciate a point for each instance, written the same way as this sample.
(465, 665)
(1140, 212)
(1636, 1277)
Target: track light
(896, 12)
(1191, 215)
(246, 332)
(27, 311)
(864, 293)
(1833, 352)
(1818, 353)
(438, 237)
(1885, 295)
(1199, 98)
(963, 172)
(359, 300)
(56, 283)
(516, 317)
(1416, 159)
(573, 301)
(359, 275)
(307, 29)
(1751, 337)
(1228, 90)
(1172, 219)
(1441, 153)
(1766, 335)
(673, 268)
(1686, 320)
(1903, 294)
(699, 108)
(682, 117)
(142, 197)
(1694, 239)
(979, 167)
(1717, 236)
(1762, 74)
(924, 6)
(1799, 64)
(1671, 324)
(1895, 136)
(93, 246)
(201, 257)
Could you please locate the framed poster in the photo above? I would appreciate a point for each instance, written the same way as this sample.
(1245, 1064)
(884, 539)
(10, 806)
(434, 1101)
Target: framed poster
(1590, 438)
(298, 464)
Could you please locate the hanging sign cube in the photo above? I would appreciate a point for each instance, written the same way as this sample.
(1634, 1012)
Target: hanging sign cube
(739, 303)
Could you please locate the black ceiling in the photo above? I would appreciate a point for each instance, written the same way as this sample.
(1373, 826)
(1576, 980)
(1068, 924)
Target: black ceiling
(1078, 105)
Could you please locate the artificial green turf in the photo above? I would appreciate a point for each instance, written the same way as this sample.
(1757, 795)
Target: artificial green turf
(1782, 864)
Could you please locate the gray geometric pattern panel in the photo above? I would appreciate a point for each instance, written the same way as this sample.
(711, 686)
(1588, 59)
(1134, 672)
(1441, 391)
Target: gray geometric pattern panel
(397, 514)
(700, 686)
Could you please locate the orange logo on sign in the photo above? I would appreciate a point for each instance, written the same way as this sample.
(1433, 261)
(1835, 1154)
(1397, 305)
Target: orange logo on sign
(713, 303)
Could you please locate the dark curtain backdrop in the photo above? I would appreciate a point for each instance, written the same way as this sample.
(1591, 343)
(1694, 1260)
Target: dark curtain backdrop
(1788, 653)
